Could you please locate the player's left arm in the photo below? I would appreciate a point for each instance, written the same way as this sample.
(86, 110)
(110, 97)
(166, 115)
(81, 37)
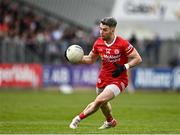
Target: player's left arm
(134, 59)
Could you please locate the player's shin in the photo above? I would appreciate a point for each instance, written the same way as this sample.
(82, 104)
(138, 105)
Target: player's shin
(91, 108)
(82, 115)
(107, 111)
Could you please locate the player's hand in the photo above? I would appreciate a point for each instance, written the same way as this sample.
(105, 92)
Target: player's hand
(66, 56)
(119, 69)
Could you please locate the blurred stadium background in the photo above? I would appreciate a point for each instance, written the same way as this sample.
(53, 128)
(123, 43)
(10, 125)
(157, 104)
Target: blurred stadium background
(34, 35)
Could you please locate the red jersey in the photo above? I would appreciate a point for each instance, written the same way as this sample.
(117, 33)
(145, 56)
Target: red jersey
(116, 52)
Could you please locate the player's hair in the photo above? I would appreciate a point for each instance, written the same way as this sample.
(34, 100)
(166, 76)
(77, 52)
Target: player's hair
(109, 21)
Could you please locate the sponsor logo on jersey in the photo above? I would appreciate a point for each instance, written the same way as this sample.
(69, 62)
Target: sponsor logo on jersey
(108, 51)
(111, 58)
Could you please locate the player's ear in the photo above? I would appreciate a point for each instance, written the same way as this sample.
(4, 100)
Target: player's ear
(113, 29)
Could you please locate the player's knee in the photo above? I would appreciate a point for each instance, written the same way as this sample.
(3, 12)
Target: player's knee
(99, 102)
(104, 105)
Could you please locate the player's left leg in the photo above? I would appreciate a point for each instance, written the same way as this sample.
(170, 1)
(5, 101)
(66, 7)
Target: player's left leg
(102, 98)
(107, 109)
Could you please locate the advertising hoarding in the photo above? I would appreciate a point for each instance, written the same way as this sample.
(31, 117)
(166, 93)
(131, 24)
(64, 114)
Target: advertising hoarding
(20, 75)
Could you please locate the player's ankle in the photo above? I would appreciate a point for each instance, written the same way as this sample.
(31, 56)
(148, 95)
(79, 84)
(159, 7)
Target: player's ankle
(82, 116)
(109, 119)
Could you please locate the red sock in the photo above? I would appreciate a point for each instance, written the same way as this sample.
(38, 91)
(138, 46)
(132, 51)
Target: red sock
(109, 118)
(82, 116)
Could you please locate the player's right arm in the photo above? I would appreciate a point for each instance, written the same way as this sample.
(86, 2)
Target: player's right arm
(89, 59)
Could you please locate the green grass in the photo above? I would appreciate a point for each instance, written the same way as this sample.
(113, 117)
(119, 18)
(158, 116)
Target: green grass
(51, 112)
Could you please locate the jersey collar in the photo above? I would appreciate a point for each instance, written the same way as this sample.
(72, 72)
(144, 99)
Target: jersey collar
(111, 42)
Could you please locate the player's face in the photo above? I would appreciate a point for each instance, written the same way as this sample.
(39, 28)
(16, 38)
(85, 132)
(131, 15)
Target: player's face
(106, 32)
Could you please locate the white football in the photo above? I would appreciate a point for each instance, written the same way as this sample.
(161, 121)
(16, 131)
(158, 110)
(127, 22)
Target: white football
(74, 53)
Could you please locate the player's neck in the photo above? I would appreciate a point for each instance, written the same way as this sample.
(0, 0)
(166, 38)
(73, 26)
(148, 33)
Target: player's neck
(110, 40)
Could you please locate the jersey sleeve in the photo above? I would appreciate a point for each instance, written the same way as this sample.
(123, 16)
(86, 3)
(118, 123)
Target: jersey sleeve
(128, 48)
(94, 49)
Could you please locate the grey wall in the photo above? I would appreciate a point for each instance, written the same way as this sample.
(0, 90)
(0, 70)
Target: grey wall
(83, 12)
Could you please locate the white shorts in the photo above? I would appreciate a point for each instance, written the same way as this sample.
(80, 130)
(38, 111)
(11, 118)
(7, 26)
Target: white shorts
(114, 88)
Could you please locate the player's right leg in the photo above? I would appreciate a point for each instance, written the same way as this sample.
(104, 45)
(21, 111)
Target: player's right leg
(79, 117)
(102, 98)
(74, 123)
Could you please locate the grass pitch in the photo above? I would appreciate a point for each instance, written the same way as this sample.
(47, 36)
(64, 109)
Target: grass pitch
(50, 112)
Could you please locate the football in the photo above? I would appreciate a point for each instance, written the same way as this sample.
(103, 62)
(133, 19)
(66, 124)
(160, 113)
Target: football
(74, 54)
